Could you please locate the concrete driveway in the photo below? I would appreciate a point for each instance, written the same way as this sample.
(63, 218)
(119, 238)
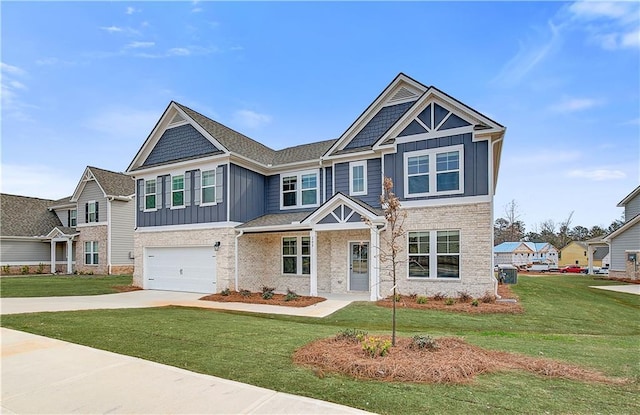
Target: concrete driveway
(42, 375)
(629, 289)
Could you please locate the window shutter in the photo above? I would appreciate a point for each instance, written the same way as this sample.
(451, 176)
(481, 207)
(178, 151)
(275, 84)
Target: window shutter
(141, 195)
(97, 219)
(167, 191)
(219, 185)
(196, 187)
(86, 213)
(159, 192)
(187, 188)
(69, 218)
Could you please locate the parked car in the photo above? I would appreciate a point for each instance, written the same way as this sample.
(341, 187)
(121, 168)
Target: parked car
(603, 271)
(538, 268)
(574, 269)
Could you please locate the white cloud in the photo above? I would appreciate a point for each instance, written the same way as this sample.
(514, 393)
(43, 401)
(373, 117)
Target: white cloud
(597, 174)
(138, 45)
(178, 52)
(251, 119)
(12, 70)
(131, 10)
(17, 85)
(37, 181)
(51, 61)
(112, 29)
(13, 106)
(611, 25)
(574, 104)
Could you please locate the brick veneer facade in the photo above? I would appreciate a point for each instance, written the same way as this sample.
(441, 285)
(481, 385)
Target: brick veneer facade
(92, 233)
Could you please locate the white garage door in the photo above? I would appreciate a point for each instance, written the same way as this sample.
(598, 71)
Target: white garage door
(191, 269)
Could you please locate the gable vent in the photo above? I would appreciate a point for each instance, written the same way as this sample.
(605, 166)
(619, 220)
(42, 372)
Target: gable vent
(403, 93)
(176, 119)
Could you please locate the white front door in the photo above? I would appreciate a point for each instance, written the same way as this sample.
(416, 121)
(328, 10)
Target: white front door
(190, 269)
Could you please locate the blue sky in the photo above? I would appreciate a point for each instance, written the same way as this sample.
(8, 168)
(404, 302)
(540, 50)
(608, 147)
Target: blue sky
(83, 83)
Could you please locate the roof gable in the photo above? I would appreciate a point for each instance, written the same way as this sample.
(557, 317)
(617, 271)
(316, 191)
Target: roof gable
(112, 184)
(183, 142)
(628, 198)
(26, 216)
(511, 247)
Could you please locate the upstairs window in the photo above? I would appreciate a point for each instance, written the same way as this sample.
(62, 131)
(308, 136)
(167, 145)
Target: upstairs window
(299, 190)
(358, 178)
(150, 194)
(434, 172)
(73, 218)
(208, 186)
(177, 191)
(91, 212)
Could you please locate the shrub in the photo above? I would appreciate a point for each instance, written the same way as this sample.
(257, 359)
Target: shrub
(225, 292)
(450, 301)
(245, 293)
(375, 346)
(422, 300)
(291, 295)
(352, 335)
(40, 269)
(464, 297)
(267, 292)
(6, 269)
(488, 298)
(423, 342)
(439, 296)
(397, 298)
(24, 269)
(474, 302)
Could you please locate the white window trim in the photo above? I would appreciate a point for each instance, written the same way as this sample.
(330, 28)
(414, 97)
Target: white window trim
(433, 255)
(183, 205)
(202, 203)
(144, 198)
(298, 256)
(89, 204)
(298, 175)
(353, 164)
(93, 251)
(432, 153)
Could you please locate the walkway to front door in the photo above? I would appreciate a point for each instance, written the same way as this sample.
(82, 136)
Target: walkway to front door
(359, 266)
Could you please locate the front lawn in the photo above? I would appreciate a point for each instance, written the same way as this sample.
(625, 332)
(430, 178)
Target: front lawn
(63, 285)
(563, 320)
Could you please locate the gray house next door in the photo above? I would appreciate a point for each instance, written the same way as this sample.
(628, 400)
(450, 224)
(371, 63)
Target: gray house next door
(358, 266)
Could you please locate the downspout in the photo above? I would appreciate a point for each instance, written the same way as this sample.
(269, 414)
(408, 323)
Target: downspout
(109, 200)
(236, 282)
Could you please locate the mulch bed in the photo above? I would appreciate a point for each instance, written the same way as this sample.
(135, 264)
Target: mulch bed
(126, 288)
(256, 298)
(453, 362)
(485, 305)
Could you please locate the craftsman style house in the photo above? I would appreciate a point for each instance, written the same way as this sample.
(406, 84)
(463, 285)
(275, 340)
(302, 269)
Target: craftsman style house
(217, 209)
(624, 243)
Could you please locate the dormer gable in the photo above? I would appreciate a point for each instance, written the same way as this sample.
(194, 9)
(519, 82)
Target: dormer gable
(394, 101)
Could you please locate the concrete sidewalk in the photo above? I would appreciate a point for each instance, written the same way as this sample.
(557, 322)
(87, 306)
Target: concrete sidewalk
(629, 289)
(43, 375)
(153, 298)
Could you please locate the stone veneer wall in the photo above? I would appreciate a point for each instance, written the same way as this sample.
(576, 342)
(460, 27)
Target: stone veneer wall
(225, 257)
(92, 233)
(631, 271)
(476, 250)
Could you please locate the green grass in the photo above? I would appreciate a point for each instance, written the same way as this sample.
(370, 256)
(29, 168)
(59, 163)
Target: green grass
(56, 286)
(564, 320)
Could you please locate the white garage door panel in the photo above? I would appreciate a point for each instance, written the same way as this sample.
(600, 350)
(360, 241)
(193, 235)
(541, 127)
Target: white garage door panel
(191, 269)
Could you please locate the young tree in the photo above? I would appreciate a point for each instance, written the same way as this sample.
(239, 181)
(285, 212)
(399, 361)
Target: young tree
(392, 241)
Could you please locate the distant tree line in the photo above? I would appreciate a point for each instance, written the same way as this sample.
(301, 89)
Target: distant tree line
(511, 229)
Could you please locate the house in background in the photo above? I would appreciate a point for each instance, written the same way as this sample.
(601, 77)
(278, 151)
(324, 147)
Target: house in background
(575, 253)
(525, 253)
(624, 243)
(89, 232)
(217, 209)
(597, 253)
(33, 239)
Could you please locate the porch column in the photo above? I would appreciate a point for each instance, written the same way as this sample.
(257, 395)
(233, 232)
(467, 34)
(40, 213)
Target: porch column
(53, 257)
(374, 263)
(590, 258)
(313, 280)
(69, 256)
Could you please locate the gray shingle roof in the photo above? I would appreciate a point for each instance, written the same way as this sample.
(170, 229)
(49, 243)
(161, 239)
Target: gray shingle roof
(275, 219)
(114, 184)
(600, 252)
(302, 152)
(26, 216)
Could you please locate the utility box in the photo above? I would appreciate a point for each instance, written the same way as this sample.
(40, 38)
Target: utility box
(507, 274)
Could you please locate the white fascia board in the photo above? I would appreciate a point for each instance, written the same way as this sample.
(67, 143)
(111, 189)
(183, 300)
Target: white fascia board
(80, 186)
(91, 224)
(359, 155)
(292, 227)
(182, 165)
(628, 198)
(188, 227)
(450, 201)
(622, 229)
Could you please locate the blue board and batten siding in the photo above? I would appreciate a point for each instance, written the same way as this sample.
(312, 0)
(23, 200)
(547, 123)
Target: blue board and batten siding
(476, 164)
(191, 214)
(247, 194)
(374, 181)
(180, 143)
(273, 195)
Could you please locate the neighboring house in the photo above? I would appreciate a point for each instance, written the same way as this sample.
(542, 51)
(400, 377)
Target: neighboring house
(597, 253)
(574, 253)
(217, 209)
(33, 239)
(103, 212)
(525, 253)
(624, 243)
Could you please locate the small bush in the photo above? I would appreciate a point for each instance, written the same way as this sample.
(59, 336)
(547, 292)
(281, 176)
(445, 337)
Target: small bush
(474, 303)
(423, 342)
(24, 270)
(267, 292)
(375, 346)
(6, 269)
(422, 300)
(488, 298)
(397, 298)
(226, 292)
(245, 293)
(439, 296)
(291, 295)
(450, 301)
(40, 269)
(352, 335)
(464, 296)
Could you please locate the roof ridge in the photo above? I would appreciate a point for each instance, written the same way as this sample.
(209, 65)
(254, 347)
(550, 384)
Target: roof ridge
(29, 197)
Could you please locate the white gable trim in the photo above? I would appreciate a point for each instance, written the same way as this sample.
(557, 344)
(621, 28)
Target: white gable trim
(164, 124)
(87, 176)
(335, 201)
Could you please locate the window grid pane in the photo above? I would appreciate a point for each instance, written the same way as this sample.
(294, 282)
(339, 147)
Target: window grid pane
(208, 181)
